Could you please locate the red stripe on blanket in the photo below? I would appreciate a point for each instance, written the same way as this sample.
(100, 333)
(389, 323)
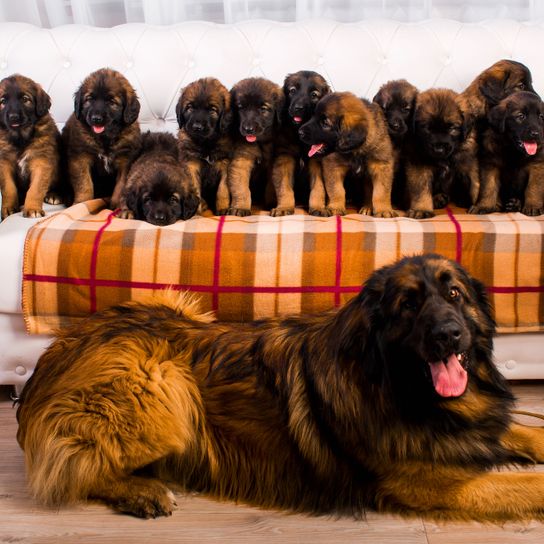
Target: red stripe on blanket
(338, 260)
(217, 263)
(40, 278)
(458, 234)
(94, 260)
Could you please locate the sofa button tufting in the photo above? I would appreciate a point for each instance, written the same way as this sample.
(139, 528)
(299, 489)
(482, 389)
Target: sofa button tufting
(20, 370)
(510, 364)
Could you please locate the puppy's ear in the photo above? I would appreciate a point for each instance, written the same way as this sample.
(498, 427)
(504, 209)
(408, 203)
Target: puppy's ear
(189, 206)
(497, 117)
(132, 108)
(493, 90)
(78, 103)
(351, 138)
(133, 203)
(179, 111)
(225, 121)
(43, 102)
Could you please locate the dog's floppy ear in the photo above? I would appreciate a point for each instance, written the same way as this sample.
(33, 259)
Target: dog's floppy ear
(279, 102)
(132, 108)
(351, 138)
(189, 206)
(179, 111)
(497, 117)
(43, 102)
(493, 89)
(78, 103)
(225, 120)
(133, 202)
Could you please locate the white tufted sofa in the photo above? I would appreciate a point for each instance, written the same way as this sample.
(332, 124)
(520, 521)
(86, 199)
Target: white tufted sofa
(159, 61)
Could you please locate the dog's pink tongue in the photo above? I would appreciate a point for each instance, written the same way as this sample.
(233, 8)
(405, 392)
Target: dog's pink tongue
(297, 119)
(251, 138)
(449, 379)
(316, 148)
(97, 129)
(530, 147)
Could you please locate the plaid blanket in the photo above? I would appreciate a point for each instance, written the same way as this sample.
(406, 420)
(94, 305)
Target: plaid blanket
(84, 259)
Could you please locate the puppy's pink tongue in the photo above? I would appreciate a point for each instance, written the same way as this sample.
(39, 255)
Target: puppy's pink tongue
(250, 138)
(449, 378)
(97, 129)
(316, 148)
(530, 147)
(297, 119)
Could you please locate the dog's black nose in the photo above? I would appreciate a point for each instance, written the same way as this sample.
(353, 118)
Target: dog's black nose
(197, 126)
(248, 129)
(447, 334)
(14, 118)
(97, 119)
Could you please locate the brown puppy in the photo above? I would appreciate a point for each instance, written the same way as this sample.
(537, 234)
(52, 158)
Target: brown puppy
(351, 134)
(205, 145)
(512, 157)
(155, 190)
(495, 83)
(29, 147)
(292, 168)
(391, 403)
(398, 99)
(257, 106)
(101, 136)
(442, 163)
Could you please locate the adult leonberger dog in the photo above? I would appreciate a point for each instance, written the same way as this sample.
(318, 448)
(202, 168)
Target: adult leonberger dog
(101, 136)
(495, 83)
(29, 147)
(294, 174)
(156, 190)
(442, 162)
(390, 403)
(257, 105)
(512, 157)
(205, 145)
(351, 135)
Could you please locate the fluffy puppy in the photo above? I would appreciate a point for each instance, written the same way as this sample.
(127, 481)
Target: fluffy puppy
(205, 145)
(398, 99)
(292, 168)
(101, 137)
(257, 107)
(442, 163)
(29, 147)
(155, 190)
(495, 83)
(351, 135)
(512, 157)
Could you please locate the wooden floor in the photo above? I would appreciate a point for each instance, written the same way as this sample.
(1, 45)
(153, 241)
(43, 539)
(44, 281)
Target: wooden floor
(200, 520)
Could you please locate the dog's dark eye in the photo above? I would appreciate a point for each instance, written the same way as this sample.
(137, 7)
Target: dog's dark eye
(265, 109)
(2, 101)
(406, 107)
(173, 200)
(520, 117)
(240, 106)
(520, 86)
(409, 304)
(315, 95)
(454, 293)
(26, 99)
(454, 131)
(213, 110)
(87, 98)
(189, 107)
(541, 116)
(146, 199)
(292, 90)
(326, 124)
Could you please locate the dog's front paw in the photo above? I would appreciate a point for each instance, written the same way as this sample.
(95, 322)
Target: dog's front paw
(440, 200)
(386, 214)
(279, 212)
(52, 198)
(419, 214)
(337, 211)
(148, 503)
(33, 212)
(125, 213)
(320, 212)
(513, 205)
(240, 212)
(481, 210)
(533, 211)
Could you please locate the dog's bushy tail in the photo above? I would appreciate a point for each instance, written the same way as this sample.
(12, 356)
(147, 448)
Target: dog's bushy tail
(184, 303)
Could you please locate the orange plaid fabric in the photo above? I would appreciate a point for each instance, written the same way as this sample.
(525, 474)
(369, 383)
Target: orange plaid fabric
(84, 259)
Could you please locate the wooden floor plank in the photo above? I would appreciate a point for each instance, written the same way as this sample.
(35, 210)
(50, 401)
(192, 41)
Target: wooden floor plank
(201, 520)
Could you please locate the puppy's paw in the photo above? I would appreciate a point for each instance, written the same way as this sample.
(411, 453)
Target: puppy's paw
(481, 210)
(279, 212)
(8, 210)
(33, 212)
(125, 213)
(157, 500)
(337, 211)
(532, 211)
(440, 200)
(320, 212)
(366, 210)
(386, 213)
(419, 214)
(52, 198)
(240, 212)
(513, 205)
